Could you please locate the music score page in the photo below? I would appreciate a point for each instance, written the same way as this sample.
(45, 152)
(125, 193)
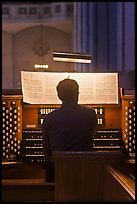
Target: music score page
(94, 88)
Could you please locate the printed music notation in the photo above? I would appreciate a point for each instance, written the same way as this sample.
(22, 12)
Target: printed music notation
(94, 88)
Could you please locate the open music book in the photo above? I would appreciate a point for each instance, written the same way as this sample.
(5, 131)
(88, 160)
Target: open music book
(94, 88)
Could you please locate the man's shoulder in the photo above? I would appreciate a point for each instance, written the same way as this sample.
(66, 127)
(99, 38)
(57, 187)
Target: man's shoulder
(52, 113)
(86, 108)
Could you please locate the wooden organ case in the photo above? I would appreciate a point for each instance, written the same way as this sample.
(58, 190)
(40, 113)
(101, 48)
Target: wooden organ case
(22, 134)
(22, 137)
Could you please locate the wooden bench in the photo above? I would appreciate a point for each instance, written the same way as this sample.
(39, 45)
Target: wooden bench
(79, 176)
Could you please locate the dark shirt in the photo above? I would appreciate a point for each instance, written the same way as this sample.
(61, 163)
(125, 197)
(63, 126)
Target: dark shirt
(69, 128)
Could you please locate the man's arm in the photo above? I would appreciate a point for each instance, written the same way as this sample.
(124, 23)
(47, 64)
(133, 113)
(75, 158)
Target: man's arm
(46, 143)
(94, 123)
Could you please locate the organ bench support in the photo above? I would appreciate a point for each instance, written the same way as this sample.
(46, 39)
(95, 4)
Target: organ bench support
(27, 190)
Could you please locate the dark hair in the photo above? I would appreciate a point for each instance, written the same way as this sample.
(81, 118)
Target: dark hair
(68, 90)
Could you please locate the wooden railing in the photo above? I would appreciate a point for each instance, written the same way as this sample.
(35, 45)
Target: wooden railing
(118, 185)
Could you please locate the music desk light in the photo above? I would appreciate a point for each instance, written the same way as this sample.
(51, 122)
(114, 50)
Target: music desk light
(71, 57)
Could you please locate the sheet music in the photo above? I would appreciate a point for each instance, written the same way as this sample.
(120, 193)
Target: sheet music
(94, 88)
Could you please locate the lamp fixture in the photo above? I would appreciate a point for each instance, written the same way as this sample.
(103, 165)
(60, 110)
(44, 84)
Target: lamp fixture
(71, 57)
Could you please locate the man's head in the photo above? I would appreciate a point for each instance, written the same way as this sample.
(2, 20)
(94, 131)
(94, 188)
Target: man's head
(68, 90)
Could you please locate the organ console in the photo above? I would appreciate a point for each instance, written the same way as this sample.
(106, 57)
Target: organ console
(22, 127)
(22, 133)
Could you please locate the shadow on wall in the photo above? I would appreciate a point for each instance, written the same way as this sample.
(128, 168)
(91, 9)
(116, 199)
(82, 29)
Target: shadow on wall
(127, 80)
(132, 78)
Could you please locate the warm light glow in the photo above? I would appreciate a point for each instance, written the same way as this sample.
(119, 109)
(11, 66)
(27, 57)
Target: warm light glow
(41, 66)
(71, 57)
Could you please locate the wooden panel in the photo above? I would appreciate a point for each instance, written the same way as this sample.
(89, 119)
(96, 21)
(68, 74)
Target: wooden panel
(79, 175)
(30, 117)
(27, 190)
(20, 170)
(30, 114)
(113, 117)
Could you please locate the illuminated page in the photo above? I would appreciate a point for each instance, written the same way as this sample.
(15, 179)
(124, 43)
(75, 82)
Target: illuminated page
(94, 88)
(97, 88)
(31, 87)
(40, 87)
(50, 81)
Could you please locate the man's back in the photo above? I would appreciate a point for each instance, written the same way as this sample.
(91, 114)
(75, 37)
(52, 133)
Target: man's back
(70, 127)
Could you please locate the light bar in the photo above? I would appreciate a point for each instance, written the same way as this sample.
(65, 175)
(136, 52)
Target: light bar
(71, 57)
